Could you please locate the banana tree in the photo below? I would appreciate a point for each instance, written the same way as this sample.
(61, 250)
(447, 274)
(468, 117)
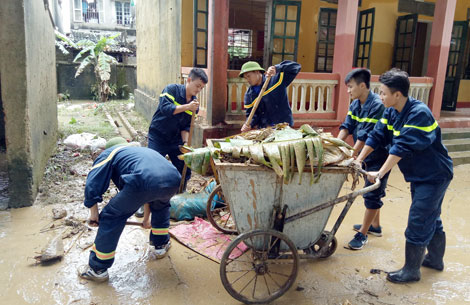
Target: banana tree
(94, 53)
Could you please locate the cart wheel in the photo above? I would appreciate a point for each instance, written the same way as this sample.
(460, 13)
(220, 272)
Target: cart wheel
(321, 243)
(221, 216)
(262, 273)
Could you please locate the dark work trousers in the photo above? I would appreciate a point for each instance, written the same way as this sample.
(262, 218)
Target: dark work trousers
(424, 219)
(172, 151)
(113, 219)
(373, 199)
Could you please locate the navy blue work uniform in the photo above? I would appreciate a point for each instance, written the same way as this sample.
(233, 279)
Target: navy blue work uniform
(274, 106)
(359, 122)
(142, 175)
(415, 136)
(165, 128)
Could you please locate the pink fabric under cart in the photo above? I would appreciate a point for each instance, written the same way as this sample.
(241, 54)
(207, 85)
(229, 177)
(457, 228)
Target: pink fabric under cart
(203, 238)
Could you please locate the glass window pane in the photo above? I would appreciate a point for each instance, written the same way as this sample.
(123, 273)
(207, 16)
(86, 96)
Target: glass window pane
(399, 54)
(289, 46)
(409, 41)
(333, 18)
(277, 58)
(280, 12)
(363, 21)
(201, 21)
(366, 50)
(288, 57)
(201, 39)
(201, 5)
(404, 66)
(407, 54)
(279, 28)
(323, 34)
(409, 27)
(321, 49)
(331, 33)
(401, 40)
(331, 49)
(201, 57)
(329, 64)
(321, 63)
(290, 28)
(277, 45)
(324, 18)
(292, 12)
(402, 26)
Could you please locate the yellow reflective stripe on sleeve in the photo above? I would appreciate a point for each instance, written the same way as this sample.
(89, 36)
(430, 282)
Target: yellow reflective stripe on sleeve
(160, 231)
(397, 132)
(111, 155)
(389, 127)
(281, 77)
(426, 128)
(101, 255)
(171, 97)
(361, 120)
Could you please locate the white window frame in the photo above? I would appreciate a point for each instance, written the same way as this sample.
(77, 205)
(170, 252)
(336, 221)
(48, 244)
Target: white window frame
(123, 15)
(75, 10)
(99, 8)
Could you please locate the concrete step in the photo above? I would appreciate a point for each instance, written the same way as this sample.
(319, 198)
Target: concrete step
(457, 144)
(455, 133)
(460, 157)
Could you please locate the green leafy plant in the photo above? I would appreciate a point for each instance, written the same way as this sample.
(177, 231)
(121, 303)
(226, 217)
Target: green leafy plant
(95, 54)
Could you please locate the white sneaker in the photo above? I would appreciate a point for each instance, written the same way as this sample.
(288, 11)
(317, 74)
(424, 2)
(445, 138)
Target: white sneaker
(85, 272)
(161, 251)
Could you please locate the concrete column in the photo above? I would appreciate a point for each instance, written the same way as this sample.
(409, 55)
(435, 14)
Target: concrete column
(217, 61)
(439, 51)
(343, 55)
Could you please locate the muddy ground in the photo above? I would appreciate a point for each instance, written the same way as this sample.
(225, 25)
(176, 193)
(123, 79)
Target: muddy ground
(184, 277)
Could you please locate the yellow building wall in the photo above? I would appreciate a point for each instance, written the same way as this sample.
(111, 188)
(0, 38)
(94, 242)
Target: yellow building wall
(461, 10)
(308, 29)
(187, 28)
(463, 99)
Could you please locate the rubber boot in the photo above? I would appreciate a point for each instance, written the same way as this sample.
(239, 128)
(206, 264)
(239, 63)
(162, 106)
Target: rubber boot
(410, 272)
(436, 249)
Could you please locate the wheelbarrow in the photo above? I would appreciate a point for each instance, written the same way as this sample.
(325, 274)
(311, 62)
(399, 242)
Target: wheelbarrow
(278, 225)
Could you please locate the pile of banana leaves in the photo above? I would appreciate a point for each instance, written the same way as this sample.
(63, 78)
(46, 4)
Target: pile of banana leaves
(281, 148)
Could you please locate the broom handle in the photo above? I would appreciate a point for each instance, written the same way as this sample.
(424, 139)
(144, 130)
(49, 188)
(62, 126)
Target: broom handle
(258, 99)
(185, 168)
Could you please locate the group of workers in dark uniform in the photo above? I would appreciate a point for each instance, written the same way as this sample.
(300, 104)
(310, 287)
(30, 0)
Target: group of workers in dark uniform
(389, 129)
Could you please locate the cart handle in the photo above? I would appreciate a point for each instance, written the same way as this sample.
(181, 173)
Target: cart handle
(350, 196)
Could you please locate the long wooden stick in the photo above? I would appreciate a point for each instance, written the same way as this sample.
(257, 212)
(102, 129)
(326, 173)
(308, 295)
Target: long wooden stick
(258, 99)
(185, 168)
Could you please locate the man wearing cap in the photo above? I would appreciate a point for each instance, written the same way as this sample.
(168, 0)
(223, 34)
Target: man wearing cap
(142, 175)
(274, 106)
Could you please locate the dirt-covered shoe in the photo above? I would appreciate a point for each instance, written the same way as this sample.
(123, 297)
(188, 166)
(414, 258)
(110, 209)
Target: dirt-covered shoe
(85, 272)
(161, 251)
(358, 242)
(372, 231)
(140, 212)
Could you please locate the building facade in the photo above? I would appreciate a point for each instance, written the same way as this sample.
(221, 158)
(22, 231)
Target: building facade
(328, 38)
